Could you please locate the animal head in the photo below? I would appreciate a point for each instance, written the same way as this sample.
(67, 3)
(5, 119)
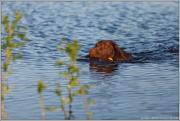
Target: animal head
(103, 50)
(108, 50)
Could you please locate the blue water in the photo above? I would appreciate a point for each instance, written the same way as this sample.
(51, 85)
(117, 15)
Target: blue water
(146, 88)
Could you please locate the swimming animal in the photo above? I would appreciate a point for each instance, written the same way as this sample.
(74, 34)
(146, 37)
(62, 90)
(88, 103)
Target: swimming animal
(108, 50)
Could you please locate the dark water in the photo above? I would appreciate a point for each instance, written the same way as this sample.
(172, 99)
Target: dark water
(146, 88)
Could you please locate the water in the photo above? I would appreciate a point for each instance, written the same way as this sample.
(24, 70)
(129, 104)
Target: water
(146, 88)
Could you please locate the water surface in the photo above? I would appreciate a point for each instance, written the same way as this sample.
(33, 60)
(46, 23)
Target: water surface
(144, 89)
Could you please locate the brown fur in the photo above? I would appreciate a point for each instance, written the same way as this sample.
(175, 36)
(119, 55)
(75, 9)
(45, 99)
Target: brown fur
(106, 49)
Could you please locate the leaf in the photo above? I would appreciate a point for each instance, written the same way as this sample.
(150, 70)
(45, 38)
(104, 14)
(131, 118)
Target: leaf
(82, 90)
(66, 74)
(59, 63)
(8, 38)
(52, 109)
(6, 89)
(8, 53)
(16, 20)
(72, 49)
(18, 44)
(5, 65)
(18, 15)
(5, 22)
(66, 101)
(3, 46)
(10, 31)
(73, 82)
(89, 115)
(8, 44)
(73, 69)
(20, 27)
(2, 97)
(91, 101)
(16, 56)
(68, 48)
(75, 93)
(58, 89)
(41, 86)
(22, 36)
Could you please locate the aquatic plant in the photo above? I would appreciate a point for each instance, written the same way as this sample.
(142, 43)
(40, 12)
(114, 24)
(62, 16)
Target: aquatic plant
(12, 31)
(74, 87)
(40, 88)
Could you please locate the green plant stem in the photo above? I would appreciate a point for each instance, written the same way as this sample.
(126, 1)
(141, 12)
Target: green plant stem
(4, 114)
(42, 106)
(7, 47)
(72, 74)
(86, 107)
(70, 97)
(4, 91)
(63, 108)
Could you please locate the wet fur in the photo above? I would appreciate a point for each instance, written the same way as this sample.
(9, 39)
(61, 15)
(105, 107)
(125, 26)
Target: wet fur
(106, 49)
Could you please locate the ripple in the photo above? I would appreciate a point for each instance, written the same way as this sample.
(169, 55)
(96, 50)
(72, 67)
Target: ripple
(145, 87)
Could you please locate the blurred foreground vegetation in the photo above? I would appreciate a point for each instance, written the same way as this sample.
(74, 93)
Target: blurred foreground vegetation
(14, 36)
(74, 87)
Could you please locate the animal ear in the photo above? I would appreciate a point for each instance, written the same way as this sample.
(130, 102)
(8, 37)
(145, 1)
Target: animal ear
(116, 48)
(96, 44)
(119, 53)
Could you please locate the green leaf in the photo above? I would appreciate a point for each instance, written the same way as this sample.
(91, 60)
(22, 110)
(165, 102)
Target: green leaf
(66, 74)
(83, 90)
(10, 44)
(3, 46)
(18, 44)
(20, 27)
(59, 63)
(5, 65)
(22, 36)
(2, 97)
(91, 101)
(68, 48)
(5, 22)
(5, 89)
(58, 89)
(72, 49)
(18, 15)
(89, 115)
(14, 24)
(52, 109)
(16, 56)
(73, 69)
(16, 20)
(73, 82)
(8, 38)
(41, 86)
(75, 93)
(66, 101)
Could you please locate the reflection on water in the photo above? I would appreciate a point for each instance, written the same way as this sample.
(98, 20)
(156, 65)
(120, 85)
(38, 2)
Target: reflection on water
(103, 68)
(106, 68)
